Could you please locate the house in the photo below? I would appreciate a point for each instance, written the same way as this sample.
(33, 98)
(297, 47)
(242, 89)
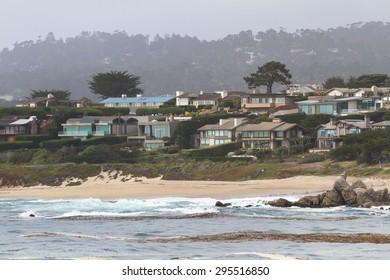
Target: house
(220, 133)
(12, 126)
(347, 92)
(328, 135)
(34, 102)
(268, 135)
(263, 102)
(197, 99)
(358, 92)
(45, 101)
(154, 133)
(139, 101)
(339, 106)
(298, 88)
(149, 131)
(381, 125)
(87, 126)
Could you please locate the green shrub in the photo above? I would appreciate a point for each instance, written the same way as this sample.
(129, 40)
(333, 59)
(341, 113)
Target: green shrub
(57, 144)
(214, 151)
(310, 158)
(6, 146)
(110, 140)
(36, 139)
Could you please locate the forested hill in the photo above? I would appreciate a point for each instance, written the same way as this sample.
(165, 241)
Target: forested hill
(175, 62)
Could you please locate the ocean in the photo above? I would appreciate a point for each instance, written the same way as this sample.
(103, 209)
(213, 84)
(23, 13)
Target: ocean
(188, 228)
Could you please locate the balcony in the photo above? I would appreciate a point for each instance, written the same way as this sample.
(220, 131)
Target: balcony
(258, 105)
(74, 133)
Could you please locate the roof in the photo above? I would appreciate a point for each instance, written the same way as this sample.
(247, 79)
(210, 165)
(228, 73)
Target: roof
(384, 123)
(208, 96)
(267, 126)
(33, 100)
(161, 98)
(20, 122)
(228, 124)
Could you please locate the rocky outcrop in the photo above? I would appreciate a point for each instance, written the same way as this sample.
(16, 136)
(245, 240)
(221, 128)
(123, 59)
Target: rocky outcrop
(221, 204)
(355, 195)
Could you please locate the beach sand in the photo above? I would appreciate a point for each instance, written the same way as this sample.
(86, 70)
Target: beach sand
(106, 186)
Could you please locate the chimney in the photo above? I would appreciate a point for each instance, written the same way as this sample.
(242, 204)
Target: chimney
(179, 92)
(34, 125)
(367, 121)
(220, 121)
(374, 90)
(124, 95)
(201, 92)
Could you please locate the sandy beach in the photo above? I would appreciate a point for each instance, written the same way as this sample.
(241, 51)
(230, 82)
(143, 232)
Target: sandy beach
(105, 186)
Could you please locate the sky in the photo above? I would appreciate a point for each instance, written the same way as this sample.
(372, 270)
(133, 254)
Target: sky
(24, 20)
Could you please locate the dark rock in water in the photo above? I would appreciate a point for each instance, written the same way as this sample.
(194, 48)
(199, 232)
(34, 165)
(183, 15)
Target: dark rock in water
(308, 201)
(221, 204)
(31, 215)
(356, 195)
(281, 202)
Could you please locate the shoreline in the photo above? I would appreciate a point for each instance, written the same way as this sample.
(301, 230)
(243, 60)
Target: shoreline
(105, 187)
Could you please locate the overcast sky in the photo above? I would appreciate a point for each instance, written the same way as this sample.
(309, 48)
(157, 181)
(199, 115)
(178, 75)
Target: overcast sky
(22, 20)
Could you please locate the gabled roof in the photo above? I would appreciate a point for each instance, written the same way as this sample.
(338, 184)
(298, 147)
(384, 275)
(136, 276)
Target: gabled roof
(384, 123)
(33, 100)
(227, 124)
(267, 126)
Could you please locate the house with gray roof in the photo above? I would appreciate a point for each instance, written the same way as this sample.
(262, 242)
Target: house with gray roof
(222, 132)
(269, 135)
(328, 135)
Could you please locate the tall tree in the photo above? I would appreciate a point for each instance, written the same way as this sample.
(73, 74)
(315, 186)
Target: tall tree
(114, 84)
(268, 74)
(334, 82)
(56, 94)
(368, 80)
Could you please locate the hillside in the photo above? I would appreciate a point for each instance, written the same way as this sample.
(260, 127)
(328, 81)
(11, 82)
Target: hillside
(175, 62)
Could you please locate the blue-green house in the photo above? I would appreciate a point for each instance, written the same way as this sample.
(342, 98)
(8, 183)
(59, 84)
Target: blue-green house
(340, 106)
(85, 127)
(149, 131)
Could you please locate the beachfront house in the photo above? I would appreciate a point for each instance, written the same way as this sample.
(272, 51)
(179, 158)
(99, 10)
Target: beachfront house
(148, 131)
(222, 132)
(328, 135)
(268, 135)
(154, 133)
(14, 125)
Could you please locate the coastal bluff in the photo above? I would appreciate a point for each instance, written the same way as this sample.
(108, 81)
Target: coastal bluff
(342, 194)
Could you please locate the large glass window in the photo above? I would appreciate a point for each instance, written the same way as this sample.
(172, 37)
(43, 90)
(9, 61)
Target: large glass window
(325, 109)
(160, 131)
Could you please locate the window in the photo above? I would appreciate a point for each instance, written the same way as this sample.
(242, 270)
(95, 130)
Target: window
(280, 134)
(280, 100)
(205, 142)
(221, 141)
